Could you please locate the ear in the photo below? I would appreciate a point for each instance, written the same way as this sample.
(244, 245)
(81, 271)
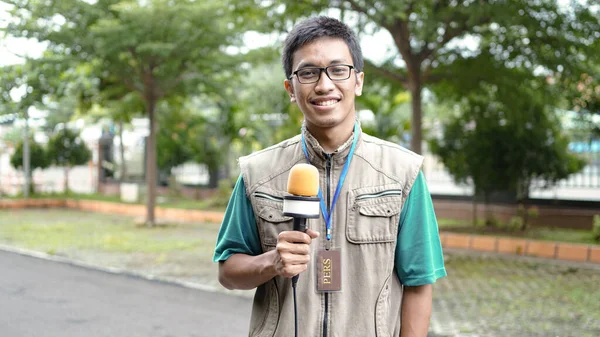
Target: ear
(360, 77)
(290, 90)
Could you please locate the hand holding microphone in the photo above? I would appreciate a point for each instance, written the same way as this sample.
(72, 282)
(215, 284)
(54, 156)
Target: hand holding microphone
(301, 203)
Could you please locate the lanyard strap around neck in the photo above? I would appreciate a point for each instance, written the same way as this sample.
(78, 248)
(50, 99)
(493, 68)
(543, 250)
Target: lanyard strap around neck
(327, 212)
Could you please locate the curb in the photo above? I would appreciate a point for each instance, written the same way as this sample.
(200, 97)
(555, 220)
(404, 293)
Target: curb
(110, 270)
(563, 251)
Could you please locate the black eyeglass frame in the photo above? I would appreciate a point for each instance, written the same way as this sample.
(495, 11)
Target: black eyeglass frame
(321, 70)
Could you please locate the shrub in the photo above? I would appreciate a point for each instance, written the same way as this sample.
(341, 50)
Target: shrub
(515, 223)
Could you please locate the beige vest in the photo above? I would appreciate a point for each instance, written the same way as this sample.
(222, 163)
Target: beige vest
(364, 226)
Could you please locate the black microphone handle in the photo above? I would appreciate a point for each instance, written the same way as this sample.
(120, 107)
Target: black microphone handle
(299, 225)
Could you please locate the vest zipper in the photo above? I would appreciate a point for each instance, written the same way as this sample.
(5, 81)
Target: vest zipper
(379, 194)
(328, 174)
(267, 196)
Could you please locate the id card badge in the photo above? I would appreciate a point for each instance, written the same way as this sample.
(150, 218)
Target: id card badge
(329, 270)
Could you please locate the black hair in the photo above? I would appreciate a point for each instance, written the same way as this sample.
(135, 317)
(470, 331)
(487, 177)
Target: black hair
(315, 28)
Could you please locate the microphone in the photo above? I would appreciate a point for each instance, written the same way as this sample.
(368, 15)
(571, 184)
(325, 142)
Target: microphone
(302, 202)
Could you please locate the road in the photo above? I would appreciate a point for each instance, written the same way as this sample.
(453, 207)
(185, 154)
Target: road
(40, 298)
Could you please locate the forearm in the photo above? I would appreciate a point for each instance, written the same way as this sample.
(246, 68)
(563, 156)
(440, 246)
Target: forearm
(416, 311)
(241, 271)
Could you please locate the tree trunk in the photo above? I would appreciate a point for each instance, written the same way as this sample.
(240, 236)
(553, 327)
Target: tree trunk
(151, 164)
(227, 161)
(213, 176)
(26, 158)
(524, 197)
(474, 209)
(489, 221)
(525, 216)
(123, 174)
(66, 189)
(417, 115)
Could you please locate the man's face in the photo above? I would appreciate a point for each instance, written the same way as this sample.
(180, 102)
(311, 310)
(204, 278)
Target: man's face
(326, 103)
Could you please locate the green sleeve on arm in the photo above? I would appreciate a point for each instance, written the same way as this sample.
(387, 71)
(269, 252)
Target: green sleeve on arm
(238, 233)
(419, 258)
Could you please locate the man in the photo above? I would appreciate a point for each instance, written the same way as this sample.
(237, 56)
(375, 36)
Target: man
(371, 272)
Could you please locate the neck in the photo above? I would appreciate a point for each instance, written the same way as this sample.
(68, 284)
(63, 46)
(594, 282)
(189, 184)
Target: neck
(332, 138)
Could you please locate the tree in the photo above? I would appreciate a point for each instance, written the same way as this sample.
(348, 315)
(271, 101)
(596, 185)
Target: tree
(35, 80)
(39, 159)
(430, 35)
(66, 149)
(155, 48)
(501, 144)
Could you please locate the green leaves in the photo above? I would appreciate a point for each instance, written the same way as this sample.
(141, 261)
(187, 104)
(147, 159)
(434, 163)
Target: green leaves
(39, 156)
(506, 143)
(66, 148)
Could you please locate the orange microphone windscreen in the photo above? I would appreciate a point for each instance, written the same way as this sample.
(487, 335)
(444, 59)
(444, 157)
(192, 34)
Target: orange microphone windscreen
(303, 180)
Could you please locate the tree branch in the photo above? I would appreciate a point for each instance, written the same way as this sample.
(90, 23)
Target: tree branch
(131, 86)
(394, 76)
(182, 74)
(427, 77)
(361, 9)
(450, 34)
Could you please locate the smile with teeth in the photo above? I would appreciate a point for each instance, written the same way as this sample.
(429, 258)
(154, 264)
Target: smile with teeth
(326, 103)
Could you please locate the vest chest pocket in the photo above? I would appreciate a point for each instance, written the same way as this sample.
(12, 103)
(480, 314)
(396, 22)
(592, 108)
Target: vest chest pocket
(374, 214)
(271, 220)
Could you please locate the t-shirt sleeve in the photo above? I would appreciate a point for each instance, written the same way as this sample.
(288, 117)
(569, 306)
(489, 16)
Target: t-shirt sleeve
(419, 259)
(238, 233)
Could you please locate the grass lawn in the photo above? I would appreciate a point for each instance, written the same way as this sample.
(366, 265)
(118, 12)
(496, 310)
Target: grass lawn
(173, 250)
(486, 295)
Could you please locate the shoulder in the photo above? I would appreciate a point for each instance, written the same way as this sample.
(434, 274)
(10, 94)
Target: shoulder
(270, 151)
(263, 165)
(378, 148)
(393, 160)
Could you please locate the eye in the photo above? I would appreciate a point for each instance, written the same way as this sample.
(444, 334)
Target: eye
(308, 72)
(338, 70)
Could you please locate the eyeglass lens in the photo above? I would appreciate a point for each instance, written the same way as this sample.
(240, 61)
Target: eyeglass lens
(313, 74)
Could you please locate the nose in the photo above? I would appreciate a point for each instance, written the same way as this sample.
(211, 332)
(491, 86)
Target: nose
(324, 84)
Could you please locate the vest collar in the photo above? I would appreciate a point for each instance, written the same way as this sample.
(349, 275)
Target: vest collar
(317, 154)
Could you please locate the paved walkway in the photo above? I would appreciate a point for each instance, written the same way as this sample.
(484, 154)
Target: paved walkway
(50, 299)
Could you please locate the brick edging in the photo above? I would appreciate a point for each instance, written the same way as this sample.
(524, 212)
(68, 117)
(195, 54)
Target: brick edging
(116, 208)
(484, 243)
(526, 247)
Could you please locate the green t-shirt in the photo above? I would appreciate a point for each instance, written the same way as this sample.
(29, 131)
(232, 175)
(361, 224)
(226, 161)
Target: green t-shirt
(419, 259)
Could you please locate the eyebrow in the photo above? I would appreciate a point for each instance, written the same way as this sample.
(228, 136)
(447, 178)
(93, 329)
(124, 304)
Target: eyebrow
(310, 64)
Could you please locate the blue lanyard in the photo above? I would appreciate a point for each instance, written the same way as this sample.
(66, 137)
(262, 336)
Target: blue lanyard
(324, 210)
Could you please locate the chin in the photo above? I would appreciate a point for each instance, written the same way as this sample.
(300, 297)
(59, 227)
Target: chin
(325, 121)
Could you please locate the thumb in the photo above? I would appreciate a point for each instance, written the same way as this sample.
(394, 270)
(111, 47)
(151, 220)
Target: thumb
(312, 234)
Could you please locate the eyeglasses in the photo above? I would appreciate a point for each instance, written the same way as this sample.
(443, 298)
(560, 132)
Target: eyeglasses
(338, 72)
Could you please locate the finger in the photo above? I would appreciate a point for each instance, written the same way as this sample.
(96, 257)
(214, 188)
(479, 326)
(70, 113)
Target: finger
(294, 260)
(284, 247)
(312, 234)
(293, 270)
(294, 236)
